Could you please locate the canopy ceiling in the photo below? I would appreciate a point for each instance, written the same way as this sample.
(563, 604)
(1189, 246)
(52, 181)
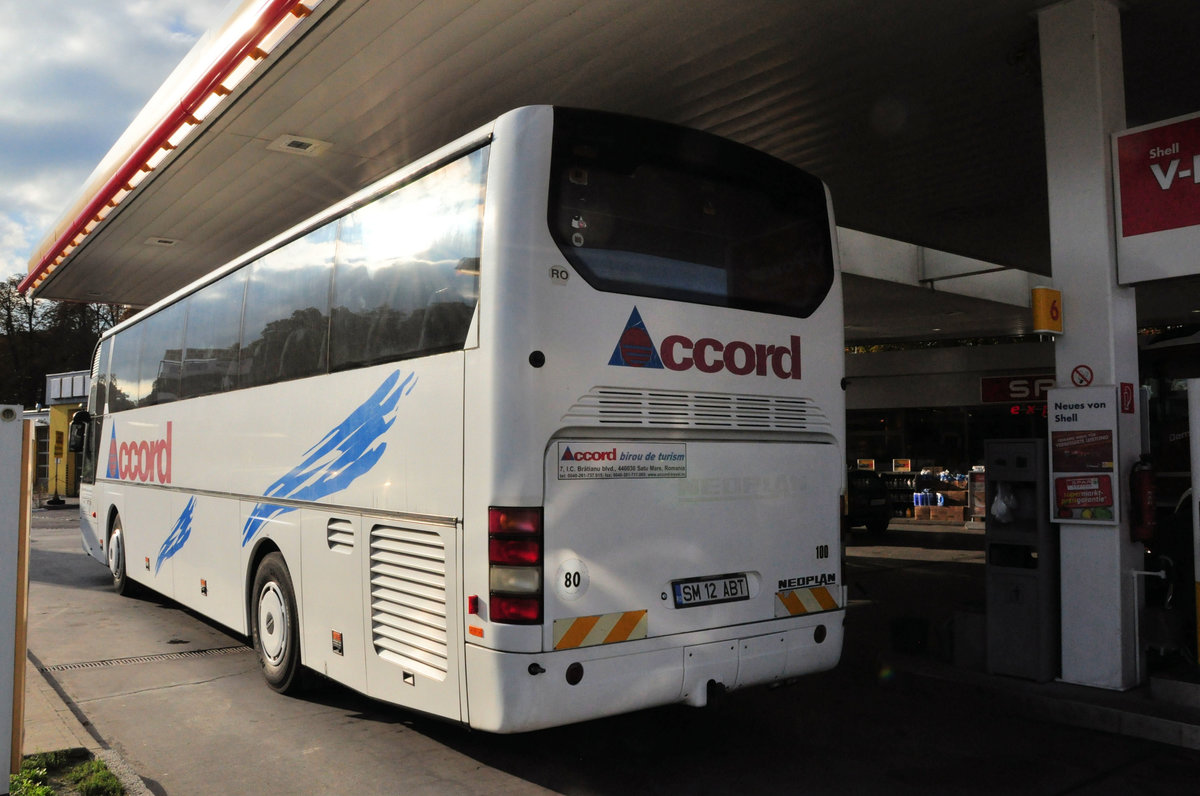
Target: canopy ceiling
(923, 116)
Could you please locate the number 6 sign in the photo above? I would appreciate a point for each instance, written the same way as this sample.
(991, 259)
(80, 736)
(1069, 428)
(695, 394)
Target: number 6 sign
(1046, 303)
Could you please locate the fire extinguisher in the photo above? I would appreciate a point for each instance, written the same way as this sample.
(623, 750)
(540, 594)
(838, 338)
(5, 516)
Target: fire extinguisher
(1141, 487)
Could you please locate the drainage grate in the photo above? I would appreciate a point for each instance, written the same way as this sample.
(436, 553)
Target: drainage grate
(167, 656)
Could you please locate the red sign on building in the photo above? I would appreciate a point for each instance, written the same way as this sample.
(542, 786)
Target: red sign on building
(1007, 389)
(1159, 178)
(1084, 497)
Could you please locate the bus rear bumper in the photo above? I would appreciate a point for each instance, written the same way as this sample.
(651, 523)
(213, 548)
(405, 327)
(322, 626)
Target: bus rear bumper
(517, 692)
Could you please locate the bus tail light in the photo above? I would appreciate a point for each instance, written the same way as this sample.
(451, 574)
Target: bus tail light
(515, 565)
(509, 610)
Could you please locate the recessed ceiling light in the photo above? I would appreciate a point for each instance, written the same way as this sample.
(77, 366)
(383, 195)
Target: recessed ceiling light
(298, 145)
(161, 242)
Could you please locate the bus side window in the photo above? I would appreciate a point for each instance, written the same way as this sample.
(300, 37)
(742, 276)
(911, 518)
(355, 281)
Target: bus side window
(211, 347)
(162, 349)
(286, 320)
(381, 286)
(98, 400)
(124, 388)
(408, 268)
(448, 312)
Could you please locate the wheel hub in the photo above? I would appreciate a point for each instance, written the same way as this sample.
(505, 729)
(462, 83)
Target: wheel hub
(272, 623)
(115, 555)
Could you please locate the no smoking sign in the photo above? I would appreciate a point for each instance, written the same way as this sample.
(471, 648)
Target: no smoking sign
(1081, 376)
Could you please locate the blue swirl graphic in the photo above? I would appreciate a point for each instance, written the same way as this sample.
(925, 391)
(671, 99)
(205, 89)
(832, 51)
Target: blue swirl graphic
(177, 537)
(347, 452)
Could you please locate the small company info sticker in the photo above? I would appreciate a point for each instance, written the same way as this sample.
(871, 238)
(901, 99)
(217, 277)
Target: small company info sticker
(621, 460)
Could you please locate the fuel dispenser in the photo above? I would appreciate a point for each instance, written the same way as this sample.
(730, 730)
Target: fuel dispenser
(1022, 573)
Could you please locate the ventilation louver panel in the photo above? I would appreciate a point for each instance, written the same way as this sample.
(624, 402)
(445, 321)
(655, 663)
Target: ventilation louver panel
(408, 599)
(339, 535)
(658, 408)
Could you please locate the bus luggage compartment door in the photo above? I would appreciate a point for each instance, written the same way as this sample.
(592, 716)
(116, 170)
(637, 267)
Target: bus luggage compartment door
(653, 538)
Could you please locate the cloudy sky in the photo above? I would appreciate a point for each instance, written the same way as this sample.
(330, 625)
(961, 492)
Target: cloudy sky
(75, 74)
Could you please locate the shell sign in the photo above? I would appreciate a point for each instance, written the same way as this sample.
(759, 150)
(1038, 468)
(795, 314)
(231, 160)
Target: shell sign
(1156, 175)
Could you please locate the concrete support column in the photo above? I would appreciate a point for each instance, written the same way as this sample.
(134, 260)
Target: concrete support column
(1084, 103)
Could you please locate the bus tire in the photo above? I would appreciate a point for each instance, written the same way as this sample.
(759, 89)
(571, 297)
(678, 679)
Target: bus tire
(275, 625)
(116, 558)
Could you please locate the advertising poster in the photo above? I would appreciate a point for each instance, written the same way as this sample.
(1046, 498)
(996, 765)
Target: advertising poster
(1083, 455)
(1156, 177)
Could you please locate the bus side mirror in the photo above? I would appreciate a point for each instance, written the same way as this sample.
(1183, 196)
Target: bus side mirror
(78, 431)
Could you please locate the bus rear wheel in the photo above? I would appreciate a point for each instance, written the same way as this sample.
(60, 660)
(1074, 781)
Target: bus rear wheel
(275, 626)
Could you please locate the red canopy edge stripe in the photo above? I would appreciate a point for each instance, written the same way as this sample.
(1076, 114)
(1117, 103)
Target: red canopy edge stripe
(266, 22)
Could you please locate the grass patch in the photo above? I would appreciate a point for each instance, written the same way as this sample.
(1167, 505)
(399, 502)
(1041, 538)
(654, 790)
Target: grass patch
(70, 773)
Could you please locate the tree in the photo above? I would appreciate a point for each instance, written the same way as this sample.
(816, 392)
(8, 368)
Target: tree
(38, 337)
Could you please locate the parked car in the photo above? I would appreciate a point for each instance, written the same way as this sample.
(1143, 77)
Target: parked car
(867, 501)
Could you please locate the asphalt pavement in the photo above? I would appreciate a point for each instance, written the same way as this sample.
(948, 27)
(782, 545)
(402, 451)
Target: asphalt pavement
(176, 705)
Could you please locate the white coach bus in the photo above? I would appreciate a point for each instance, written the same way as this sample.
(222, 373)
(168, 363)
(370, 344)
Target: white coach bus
(546, 426)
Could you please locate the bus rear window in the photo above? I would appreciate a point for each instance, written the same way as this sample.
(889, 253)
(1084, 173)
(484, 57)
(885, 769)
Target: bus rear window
(655, 210)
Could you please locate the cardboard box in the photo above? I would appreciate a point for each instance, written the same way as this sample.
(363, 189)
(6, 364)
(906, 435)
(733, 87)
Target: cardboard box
(978, 495)
(954, 497)
(947, 513)
(921, 512)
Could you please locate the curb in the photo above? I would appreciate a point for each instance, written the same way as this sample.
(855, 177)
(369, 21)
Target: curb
(74, 722)
(1133, 714)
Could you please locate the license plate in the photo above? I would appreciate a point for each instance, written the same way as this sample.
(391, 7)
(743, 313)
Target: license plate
(707, 591)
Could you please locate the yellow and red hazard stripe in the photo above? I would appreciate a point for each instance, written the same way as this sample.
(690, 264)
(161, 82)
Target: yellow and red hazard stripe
(588, 631)
(795, 602)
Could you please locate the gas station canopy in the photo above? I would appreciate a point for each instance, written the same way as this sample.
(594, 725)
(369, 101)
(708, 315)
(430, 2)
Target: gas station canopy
(923, 116)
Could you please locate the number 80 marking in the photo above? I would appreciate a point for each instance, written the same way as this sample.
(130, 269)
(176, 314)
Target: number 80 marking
(571, 580)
